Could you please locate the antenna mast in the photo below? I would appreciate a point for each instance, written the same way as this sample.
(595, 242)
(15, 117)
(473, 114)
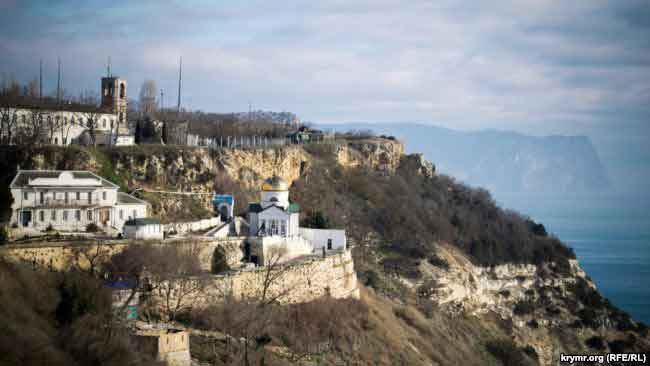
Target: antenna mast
(108, 67)
(58, 80)
(40, 80)
(180, 74)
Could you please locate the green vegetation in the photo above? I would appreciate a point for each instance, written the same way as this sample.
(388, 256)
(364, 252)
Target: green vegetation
(42, 311)
(92, 228)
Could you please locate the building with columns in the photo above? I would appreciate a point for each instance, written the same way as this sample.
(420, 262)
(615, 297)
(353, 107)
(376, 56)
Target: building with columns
(69, 200)
(274, 223)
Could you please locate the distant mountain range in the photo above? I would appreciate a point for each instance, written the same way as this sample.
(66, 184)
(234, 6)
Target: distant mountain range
(502, 161)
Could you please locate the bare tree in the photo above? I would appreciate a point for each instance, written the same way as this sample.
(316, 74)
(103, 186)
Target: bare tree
(148, 92)
(171, 274)
(90, 257)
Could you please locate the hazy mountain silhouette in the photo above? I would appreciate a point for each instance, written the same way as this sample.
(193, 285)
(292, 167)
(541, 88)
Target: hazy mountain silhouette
(502, 161)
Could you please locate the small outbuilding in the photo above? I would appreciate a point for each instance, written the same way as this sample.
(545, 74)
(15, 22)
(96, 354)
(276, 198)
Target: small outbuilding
(144, 228)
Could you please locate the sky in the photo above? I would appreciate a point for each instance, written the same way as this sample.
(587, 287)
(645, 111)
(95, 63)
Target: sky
(537, 67)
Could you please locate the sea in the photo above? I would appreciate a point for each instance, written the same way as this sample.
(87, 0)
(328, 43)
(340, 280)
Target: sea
(610, 234)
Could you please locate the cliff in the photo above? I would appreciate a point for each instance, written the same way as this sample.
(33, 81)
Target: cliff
(439, 260)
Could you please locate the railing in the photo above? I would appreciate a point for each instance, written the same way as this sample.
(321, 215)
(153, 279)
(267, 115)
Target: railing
(62, 202)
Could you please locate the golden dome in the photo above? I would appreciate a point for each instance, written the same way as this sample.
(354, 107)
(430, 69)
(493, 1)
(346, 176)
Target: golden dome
(275, 183)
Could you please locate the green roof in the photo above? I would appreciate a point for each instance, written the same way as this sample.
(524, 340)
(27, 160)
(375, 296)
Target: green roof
(294, 207)
(256, 207)
(142, 221)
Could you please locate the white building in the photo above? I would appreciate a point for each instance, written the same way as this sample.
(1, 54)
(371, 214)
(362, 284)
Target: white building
(70, 200)
(274, 223)
(143, 229)
(65, 124)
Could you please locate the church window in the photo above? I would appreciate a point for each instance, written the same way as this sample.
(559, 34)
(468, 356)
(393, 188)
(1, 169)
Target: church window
(104, 195)
(90, 197)
(65, 120)
(112, 121)
(56, 141)
(122, 90)
(41, 197)
(66, 197)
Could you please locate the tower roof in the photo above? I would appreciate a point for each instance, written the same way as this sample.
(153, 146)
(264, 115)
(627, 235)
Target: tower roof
(275, 184)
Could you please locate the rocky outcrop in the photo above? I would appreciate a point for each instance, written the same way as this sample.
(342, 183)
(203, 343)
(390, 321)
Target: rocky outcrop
(416, 164)
(376, 154)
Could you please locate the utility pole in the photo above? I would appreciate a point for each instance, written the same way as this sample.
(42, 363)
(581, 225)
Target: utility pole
(180, 74)
(58, 81)
(40, 80)
(162, 102)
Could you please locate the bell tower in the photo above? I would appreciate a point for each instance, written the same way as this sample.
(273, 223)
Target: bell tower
(114, 97)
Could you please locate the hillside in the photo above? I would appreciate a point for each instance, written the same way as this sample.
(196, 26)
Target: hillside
(503, 161)
(449, 277)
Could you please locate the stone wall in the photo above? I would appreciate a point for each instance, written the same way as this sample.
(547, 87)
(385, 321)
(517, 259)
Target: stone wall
(64, 255)
(185, 227)
(299, 281)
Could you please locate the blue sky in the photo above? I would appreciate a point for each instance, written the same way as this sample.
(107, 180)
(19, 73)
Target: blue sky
(538, 67)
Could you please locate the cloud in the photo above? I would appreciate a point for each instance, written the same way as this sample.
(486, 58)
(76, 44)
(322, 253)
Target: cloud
(505, 64)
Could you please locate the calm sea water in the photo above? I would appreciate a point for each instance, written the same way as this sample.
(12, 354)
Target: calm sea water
(610, 235)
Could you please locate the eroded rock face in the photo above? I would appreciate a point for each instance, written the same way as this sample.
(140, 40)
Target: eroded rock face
(376, 154)
(416, 164)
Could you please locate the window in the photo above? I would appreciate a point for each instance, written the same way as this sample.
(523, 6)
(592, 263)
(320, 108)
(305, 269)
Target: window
(56, 141)
(283, 228)
(65, 120)
(134, 214)
(112, 124)
(121, 214)
(104, 195)
(78, 194)
(25, 195)
(90, 198)
(41, 215)
(71, 120)
(67, 199)
(65, 215)
(90, 215)
(53, 215)
(329, 244)
(104, 122)
(65, 140)
(41, 197)
(77, 215)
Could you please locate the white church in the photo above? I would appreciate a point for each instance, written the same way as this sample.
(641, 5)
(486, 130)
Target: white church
(274, 222)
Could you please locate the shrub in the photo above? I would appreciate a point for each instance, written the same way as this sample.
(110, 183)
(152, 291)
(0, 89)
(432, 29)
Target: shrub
(508, 353)
(219, 262)
(49, 228)
(4, 234)
(596, 343)
(523, 307)
(92, 228)
(505, 293)
(435, 260)
(533, 324)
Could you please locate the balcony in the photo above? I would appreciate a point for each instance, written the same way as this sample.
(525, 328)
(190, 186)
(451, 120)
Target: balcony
(49, 202)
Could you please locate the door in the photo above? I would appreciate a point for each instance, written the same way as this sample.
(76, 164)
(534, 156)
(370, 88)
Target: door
(26, 218)
(104, 216)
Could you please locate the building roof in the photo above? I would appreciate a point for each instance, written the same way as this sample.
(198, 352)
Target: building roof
(126, 199)
(275, 184)
(142, 221)
(47, 177)
(257, 208)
